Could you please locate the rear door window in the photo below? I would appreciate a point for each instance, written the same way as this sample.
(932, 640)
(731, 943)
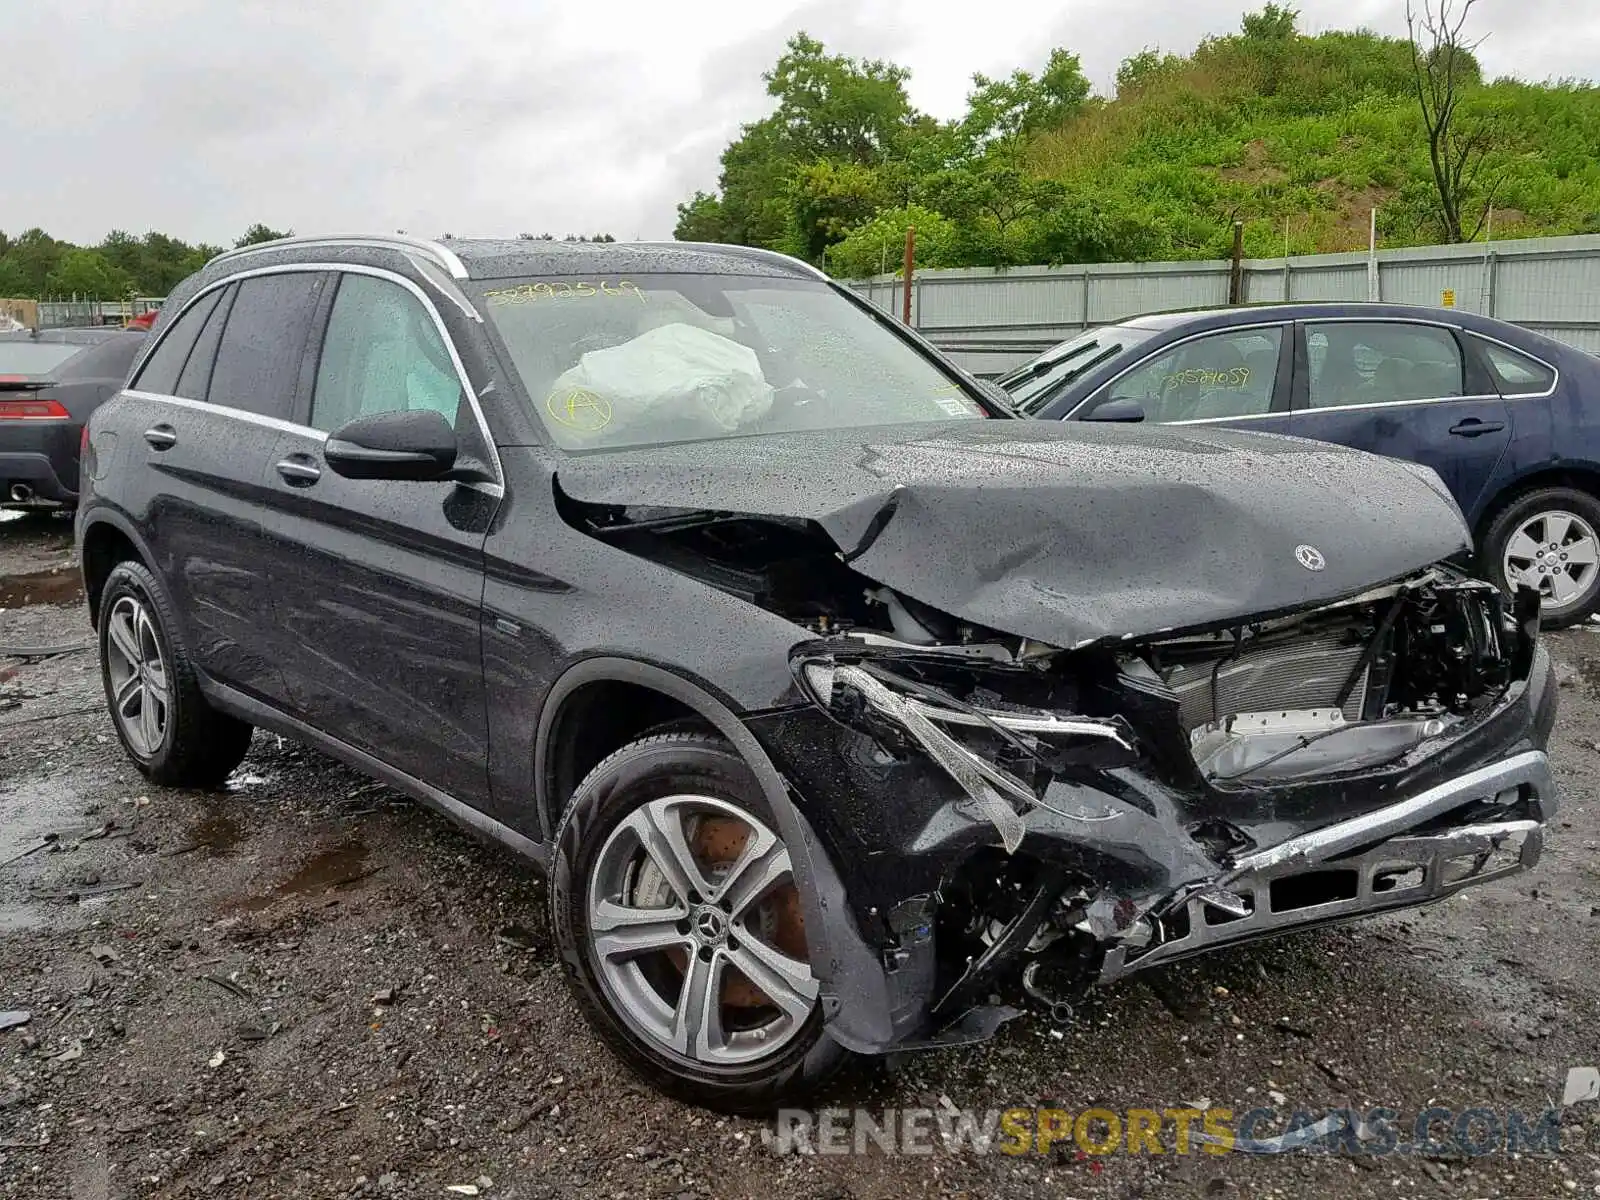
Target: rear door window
(1355, 363)
(1227, 374)
(258, 360)
(1515, 373)
(161, 370)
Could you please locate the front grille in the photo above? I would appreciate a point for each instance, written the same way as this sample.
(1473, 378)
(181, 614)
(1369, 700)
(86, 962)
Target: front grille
(1305, 673)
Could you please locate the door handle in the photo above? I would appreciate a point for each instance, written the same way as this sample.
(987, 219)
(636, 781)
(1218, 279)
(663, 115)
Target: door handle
(297, 473)
(161, 437)
(1472, 427)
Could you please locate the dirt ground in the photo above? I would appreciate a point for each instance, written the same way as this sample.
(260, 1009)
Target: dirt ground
(305, 986)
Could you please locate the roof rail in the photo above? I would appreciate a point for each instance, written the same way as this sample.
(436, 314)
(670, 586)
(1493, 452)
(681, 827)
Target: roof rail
(758, 253)
(438, 252)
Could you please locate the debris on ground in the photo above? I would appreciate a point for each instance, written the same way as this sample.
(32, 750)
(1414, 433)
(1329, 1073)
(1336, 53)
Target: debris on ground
(105, 1087)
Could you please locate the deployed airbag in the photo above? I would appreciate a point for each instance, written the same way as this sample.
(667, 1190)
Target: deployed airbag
(676, 378)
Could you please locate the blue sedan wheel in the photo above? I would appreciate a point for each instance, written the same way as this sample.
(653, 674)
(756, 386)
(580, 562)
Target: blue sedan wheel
(1549, 540)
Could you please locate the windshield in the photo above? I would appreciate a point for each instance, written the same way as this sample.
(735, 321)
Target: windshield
(34, 358)
(1033, 385)
(654, 359)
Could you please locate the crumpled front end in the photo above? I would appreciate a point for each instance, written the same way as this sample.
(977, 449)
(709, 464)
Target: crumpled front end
(1004, 811)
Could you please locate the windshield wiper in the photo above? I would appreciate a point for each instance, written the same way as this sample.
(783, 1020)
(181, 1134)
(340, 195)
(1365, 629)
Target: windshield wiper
(1045, 395)
(1041, 366)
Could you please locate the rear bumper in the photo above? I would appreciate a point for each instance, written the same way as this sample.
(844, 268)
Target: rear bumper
(43, 458)
(1476, 827)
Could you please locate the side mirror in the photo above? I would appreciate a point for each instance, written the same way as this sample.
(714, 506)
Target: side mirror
(1117, 408)
(414, 444)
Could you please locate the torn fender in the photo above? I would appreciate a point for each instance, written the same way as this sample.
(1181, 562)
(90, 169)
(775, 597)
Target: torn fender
(1067, 533)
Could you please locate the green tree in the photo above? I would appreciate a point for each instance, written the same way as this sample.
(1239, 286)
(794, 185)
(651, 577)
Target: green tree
(34, 254)
(1274, 23)
(87, 274)
(831, 106)
(1145, 68)
(259, 233)
(829, 109)
(701, 219)
(12, 284)
(1023, 104)
(879, 244)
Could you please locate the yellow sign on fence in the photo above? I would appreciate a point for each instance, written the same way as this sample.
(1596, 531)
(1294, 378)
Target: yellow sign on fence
(1448, 299)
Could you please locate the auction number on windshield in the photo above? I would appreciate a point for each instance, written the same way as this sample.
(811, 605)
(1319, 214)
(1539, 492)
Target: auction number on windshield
(1230, 377)
(528, 293)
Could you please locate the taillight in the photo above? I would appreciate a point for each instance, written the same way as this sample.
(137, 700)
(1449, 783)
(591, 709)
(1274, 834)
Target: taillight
(83, 442)
(33, 410)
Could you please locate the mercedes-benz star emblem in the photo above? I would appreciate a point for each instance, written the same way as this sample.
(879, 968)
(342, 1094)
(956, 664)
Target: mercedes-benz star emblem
(1310, 557)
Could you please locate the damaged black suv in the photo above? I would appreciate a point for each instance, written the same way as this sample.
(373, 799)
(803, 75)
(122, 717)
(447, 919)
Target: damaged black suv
(834, 699)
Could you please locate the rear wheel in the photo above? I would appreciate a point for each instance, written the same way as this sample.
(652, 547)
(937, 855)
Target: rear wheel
(1548, 540)
(675, 907)
(166, 726)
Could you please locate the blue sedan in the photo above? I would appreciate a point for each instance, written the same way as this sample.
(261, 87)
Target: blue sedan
(1510, 420)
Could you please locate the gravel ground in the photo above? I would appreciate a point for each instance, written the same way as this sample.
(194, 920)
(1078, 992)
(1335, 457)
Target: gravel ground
(305, 986)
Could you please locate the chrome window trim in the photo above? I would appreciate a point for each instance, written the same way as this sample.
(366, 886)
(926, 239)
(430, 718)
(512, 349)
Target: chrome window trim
(292, 427)
(224, 410)
(1359, 320)
(1555, 371)
(1280, 323)
(1479, 398)
(440, 253)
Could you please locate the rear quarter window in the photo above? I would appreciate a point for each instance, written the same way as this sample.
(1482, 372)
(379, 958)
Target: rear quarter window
(1515, 373)
(160, 371)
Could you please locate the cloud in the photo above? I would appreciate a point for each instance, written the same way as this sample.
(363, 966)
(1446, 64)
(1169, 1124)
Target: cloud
(506, 116)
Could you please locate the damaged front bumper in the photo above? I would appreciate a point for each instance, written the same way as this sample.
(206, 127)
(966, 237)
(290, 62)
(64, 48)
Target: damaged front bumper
(1116, 854)
(1413, 852)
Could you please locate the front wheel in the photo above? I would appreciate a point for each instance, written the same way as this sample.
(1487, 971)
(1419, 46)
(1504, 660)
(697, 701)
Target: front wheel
(675, 909)
(1548, 540)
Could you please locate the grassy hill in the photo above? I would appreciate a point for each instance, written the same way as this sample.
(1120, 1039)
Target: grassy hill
(1310, 139)
(1298, 136)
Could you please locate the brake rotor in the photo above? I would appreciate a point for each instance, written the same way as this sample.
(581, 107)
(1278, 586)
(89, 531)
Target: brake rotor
(717, 843)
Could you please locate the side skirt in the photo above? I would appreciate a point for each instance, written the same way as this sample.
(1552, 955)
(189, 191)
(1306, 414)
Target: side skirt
(264, 716)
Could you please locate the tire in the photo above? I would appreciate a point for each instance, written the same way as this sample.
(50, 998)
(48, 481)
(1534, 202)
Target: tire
(1551, 528)
(694, 783)
(179, 740)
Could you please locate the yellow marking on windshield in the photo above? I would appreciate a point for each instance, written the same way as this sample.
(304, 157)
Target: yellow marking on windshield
(561, 289)
(1229, 378)
(580, 409)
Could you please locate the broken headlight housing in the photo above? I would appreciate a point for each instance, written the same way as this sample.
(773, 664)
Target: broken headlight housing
(996, 750)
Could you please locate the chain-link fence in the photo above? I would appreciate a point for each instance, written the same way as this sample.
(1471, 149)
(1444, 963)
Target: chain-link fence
(74, 313)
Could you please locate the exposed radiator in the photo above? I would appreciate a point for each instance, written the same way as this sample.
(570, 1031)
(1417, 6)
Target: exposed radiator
(1303, 674)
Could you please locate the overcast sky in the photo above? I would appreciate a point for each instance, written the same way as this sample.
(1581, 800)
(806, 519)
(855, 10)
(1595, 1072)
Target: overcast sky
(494, 117)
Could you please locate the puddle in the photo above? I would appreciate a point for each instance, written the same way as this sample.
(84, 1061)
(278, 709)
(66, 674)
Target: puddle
(60, 585)
(37, 806)
(15, 918)
(216, 833)
(321, 872)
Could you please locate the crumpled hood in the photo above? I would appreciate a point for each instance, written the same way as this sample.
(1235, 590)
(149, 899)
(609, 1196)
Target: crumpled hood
(1067, 532)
